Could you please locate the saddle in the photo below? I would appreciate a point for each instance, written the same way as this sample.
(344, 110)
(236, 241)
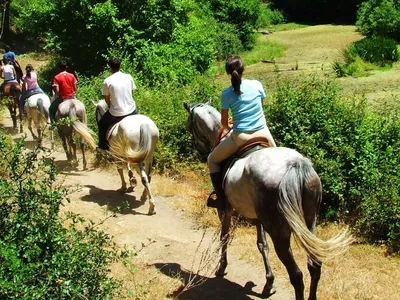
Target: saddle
(249, 147)
(8, 87)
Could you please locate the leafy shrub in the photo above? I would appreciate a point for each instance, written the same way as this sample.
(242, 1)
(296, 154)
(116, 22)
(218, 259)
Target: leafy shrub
(226, 40)
(365, 55)
(377, 49)
(269, 16)
(41, 258)
(355, 151)
(243, 14)
(377, 17)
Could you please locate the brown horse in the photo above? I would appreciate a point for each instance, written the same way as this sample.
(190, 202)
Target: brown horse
(11, 93)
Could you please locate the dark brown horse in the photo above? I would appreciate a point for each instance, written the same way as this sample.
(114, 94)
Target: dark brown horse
(10, 96)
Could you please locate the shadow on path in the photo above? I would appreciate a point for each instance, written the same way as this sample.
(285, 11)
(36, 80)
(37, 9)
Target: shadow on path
(114, 200)
(204, 287)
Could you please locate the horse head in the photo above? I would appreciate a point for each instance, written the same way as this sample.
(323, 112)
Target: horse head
(101, 109)
(203, 123)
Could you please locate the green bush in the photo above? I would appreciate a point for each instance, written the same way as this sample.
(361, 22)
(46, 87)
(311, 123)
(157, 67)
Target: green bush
(269, 16)
(44, 256)
(243, 14)
(355, 151)
(379, 17)
(365, 55)
(378, 50)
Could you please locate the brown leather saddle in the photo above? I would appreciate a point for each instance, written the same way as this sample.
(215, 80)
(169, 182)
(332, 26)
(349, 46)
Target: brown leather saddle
(249, 147)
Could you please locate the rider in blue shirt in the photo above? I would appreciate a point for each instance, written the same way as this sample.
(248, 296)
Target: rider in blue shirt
(11, 55)
(244, 98)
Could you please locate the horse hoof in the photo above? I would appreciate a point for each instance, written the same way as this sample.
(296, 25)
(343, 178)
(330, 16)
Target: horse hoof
(122, 190)
(133, 182)
(152, 210)
(268, 292)
(221, 273)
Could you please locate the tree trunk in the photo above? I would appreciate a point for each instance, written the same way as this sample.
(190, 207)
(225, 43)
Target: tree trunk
(5, 22)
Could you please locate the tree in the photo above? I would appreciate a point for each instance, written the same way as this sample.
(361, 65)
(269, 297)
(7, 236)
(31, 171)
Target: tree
(5, 21)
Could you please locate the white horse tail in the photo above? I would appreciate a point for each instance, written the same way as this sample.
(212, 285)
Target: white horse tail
(121, 147)
(290, 204)
(81, 127)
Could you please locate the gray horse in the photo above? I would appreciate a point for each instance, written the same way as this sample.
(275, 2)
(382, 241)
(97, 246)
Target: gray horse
(133, 141)
(70, 117)
(280, 190)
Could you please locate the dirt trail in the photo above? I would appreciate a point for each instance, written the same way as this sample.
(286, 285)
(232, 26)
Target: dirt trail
(173, 245)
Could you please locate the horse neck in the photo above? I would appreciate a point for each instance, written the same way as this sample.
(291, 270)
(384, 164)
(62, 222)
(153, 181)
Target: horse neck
(210, 130)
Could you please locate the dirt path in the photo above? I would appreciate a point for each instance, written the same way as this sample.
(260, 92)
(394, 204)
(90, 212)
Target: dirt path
(173, 246)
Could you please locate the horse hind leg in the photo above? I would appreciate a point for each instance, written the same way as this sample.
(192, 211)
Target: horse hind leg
(123, 188)
(13, 116)
(146, 192)
(82, 144)
(264, 250)
(281, 240)
(225, 217)
(64, 143)
(132, 179)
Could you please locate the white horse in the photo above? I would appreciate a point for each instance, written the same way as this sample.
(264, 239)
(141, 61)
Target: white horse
(133, 141)
(37, 111)
(279, 189)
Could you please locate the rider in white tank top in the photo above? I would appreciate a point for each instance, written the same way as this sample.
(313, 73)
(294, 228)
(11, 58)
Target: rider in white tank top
(8, 71)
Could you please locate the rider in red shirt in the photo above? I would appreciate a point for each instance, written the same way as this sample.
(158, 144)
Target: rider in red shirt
(65, 86)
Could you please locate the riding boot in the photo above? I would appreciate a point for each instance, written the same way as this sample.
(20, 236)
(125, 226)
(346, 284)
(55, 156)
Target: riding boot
(216, 179)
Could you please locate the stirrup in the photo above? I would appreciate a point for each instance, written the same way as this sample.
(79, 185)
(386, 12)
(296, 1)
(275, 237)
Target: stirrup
(214, 202)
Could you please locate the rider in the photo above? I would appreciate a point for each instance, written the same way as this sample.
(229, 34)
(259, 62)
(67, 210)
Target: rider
(117, 91)
(65, 86)
(7, 72)
(30, 85)
(245, 100)
(11, 55)
(13, 60)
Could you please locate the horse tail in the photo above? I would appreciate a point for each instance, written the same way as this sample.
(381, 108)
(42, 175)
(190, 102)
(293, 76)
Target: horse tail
(121, 147)
(290, 204)
(44, 113)
(81, 127)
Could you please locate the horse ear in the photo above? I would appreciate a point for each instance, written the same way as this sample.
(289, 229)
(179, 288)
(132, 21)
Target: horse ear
(94, 103)
(186, 106)
(209, 101)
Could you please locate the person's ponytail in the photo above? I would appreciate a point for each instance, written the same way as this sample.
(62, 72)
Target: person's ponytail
(236, 81)
(234, 67)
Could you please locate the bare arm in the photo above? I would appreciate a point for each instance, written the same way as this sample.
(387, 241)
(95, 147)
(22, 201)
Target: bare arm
(107, 98)
(225, 118)
(15, 73)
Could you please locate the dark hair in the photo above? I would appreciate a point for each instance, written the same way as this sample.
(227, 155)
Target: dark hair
(62, 65)
(7, 48)
(29, 68)
(115, 64)
(234, 67)
(6, 60)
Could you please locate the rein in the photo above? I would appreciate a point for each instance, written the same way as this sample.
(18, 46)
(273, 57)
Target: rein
(220, 136)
